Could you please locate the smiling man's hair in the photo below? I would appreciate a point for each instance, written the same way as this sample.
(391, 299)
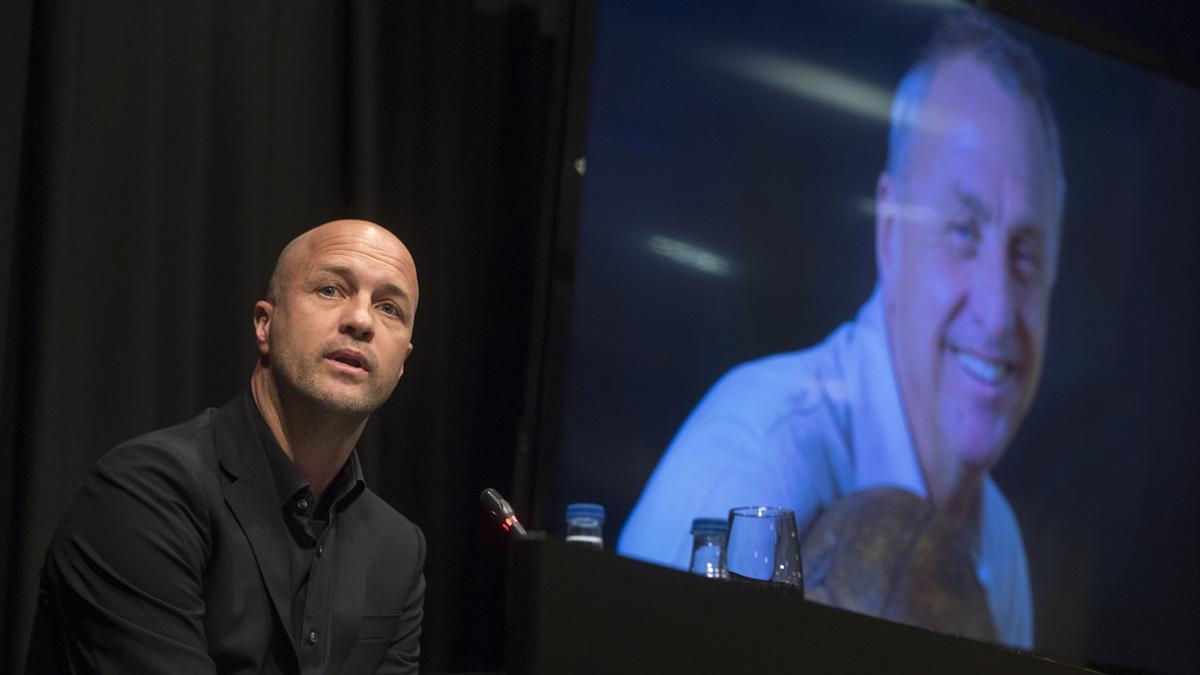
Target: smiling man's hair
(1013, 64)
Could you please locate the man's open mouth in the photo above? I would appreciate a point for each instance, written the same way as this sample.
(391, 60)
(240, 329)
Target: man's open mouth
(348, 357)
(988, 371)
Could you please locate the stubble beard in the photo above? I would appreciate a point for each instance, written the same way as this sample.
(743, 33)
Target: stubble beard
(304, 376)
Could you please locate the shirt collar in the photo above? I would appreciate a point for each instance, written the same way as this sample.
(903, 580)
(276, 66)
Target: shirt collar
(884, 451)
(288, 481)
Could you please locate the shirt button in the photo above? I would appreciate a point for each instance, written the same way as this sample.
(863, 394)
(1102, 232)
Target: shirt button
(302, 504)
(312, 638)
(320, 550)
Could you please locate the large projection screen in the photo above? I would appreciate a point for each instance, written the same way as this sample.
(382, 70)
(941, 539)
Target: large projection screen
(729, 213)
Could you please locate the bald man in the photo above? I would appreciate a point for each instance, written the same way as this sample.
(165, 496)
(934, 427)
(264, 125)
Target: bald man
(245, 540)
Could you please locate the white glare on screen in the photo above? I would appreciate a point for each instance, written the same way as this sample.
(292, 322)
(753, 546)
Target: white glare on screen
(689, 255)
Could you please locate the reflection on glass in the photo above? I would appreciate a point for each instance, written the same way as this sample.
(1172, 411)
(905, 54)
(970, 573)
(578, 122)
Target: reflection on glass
(763, 546)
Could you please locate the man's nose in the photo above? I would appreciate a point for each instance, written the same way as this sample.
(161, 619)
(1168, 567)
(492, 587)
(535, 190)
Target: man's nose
(358, 320)
(993, 295)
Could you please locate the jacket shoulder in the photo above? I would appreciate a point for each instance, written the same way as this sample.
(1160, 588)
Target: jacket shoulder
(187, 437)
(182, 454)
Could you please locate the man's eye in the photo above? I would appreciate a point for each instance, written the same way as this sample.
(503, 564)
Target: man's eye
(389, 308)
(328, 291)
(1022, 253)
(967, 230)
(963, 236)
(1027, 260)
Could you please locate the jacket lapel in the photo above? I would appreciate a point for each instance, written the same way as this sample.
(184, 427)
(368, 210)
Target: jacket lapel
(250, 492)
(351, 561)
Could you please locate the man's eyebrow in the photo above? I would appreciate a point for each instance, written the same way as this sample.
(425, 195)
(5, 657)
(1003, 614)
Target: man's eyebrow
(1032, 230)
(339, 270)
(388, 288)
(973, 203)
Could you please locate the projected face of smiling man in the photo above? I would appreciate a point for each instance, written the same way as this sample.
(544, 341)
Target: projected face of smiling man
(967, 237)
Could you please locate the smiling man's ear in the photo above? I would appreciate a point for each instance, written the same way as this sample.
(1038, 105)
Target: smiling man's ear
(885, 226)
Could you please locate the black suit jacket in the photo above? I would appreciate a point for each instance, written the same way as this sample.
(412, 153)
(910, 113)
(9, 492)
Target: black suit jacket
(173, 558)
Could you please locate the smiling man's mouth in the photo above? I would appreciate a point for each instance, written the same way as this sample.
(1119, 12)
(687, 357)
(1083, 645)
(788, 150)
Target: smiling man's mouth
(985, 370)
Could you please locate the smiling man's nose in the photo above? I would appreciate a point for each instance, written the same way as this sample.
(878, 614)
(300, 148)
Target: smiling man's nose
(993, 297)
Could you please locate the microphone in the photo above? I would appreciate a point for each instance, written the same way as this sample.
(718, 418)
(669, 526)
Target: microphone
(501, 511)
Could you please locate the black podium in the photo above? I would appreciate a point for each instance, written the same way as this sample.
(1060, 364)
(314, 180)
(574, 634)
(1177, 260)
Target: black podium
(574, 610)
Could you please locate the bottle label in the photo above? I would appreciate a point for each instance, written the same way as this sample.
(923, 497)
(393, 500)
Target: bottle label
(589, 539)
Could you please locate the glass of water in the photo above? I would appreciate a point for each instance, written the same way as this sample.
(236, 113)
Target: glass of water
(763, 546)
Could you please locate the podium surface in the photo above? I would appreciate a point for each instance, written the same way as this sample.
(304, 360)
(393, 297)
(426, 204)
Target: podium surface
(577, 610)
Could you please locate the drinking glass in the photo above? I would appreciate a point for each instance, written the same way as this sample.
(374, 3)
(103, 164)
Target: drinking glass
(763, 546)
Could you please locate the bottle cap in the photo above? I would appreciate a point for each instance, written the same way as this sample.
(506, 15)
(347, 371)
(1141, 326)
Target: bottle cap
(710, 526)
(595, 511)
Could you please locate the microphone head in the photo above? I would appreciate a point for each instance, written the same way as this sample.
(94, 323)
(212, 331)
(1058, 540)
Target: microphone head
(495, 504)
(501, 511)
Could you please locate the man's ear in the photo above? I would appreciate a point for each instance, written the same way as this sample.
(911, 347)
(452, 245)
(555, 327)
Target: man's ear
(263, 311)
(407, 353)
(885, 226)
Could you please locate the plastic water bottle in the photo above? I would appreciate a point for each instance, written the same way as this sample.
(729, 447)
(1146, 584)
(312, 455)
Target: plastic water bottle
(584, 523)
(709, 542)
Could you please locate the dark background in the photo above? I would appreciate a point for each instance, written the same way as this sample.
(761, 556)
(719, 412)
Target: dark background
(155, 156)
(1102, 474)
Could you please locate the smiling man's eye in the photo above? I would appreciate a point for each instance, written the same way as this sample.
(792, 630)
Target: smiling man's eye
(963, 236)
(1023, 253)
(1027, 260)
(328, 290)
(967, 230)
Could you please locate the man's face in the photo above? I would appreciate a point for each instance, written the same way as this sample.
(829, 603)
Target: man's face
(341, 324)
(967, 248)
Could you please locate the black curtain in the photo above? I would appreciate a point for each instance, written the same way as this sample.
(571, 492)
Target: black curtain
(154, 158)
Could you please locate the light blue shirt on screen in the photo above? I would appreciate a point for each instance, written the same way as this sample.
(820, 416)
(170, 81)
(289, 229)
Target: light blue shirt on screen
(800, 430)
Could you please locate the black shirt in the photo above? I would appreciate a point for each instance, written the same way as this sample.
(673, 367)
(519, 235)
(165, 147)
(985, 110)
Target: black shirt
(313, 528)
